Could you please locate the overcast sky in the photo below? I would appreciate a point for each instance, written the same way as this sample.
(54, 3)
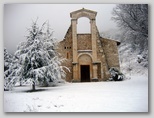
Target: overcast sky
(18, 17)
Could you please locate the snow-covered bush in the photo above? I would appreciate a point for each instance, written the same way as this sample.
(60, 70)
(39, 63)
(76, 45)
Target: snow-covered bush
(143, 59)
(116, 75)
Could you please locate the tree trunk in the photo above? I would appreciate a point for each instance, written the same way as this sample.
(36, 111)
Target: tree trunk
(33, 86)
(20, 83)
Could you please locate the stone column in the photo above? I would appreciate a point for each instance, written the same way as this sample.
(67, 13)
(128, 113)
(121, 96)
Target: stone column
(74, 48)
(93, 38)
(75, 72)
(95, 71)
(74, 40)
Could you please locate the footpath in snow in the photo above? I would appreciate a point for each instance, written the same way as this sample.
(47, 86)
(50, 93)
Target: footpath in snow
(126, 96)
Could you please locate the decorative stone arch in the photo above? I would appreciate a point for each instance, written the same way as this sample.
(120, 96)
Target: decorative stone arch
(85, 67)
(85, 54)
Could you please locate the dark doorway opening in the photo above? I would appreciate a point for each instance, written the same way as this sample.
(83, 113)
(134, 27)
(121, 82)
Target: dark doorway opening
(85, 73)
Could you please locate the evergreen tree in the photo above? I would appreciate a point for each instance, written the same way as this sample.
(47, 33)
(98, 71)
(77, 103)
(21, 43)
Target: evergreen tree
(7, 66)
(7, 59)
(39, 62)
(11, 70)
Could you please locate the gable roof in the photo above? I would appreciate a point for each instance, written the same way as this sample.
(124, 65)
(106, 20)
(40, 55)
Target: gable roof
(83, 10)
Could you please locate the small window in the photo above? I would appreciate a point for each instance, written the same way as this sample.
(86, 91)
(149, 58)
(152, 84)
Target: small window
(70, 47)
(67, 56)
(64, 47)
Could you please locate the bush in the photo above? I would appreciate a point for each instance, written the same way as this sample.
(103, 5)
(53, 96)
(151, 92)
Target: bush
(116, 75)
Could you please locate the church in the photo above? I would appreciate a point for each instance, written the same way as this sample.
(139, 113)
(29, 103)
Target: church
(88, 56)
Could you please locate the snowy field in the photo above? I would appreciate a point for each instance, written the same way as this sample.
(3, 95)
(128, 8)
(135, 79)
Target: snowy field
(127, 96)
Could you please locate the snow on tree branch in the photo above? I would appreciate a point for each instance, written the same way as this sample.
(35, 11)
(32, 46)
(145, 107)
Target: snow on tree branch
(37, 60)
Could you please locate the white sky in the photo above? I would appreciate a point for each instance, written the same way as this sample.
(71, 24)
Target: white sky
(18, 17)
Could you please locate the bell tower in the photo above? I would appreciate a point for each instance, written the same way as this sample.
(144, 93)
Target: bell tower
(91, 15)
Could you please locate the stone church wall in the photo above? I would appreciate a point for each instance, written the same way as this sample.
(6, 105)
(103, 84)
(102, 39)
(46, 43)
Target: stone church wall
(111, 52)
(84, 42)
(65, 51)
(107, 53)
(91, 50)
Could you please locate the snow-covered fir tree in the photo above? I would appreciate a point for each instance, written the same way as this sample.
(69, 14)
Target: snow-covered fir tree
(11, 70)
(7, 59)
(13, 77)
(7, 66)
(38, 61)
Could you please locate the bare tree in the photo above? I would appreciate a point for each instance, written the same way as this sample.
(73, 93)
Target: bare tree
(133, 20)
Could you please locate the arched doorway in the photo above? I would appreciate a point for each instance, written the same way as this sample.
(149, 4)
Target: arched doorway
(85, 68)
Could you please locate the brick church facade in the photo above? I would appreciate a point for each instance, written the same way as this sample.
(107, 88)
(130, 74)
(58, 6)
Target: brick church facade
(88, 56)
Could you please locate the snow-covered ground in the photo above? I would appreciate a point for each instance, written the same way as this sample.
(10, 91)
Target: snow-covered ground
(126, 96)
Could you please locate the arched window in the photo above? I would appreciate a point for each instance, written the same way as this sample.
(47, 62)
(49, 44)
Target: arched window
(83, 25)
